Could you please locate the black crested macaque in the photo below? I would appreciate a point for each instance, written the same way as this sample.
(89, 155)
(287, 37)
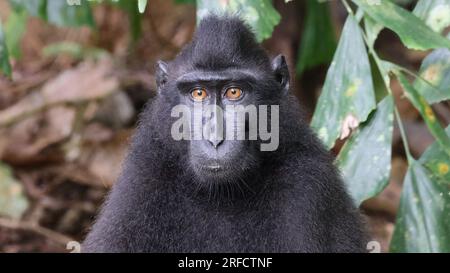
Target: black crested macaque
(227, 195)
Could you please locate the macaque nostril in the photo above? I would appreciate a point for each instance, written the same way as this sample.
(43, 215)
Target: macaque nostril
(215, 142)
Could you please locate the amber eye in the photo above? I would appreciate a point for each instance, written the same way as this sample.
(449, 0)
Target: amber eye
(199, 94)
(233, 93)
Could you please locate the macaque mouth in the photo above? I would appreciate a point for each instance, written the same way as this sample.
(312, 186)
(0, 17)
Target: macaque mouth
(215, 167)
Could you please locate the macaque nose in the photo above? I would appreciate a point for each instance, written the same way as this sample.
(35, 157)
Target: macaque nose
(215, 142)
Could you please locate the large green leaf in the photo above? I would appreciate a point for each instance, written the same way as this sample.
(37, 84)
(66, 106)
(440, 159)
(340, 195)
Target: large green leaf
(12, 200)
(318, 40)
(14, 30)
(5, 66)
(423, 221)
(426, 112)
(259, 14)
(435, 69)
(369, 146)
(62, 14)
(413, 32)
(435, 13)
(348, 92)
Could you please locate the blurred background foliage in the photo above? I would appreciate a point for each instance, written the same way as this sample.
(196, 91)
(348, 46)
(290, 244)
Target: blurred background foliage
(373, 76)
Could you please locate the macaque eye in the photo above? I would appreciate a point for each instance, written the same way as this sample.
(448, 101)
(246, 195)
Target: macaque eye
(233, 93)
(199, 94)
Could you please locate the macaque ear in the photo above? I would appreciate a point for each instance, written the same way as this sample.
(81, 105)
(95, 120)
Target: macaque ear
(161, 74)
(281, 71)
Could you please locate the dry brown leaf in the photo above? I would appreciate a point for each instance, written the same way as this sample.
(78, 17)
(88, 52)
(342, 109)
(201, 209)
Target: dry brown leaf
(105, 161)
(88, 81)
(21, 143)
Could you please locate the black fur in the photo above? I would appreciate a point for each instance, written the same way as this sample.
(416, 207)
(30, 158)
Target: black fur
(293, 202)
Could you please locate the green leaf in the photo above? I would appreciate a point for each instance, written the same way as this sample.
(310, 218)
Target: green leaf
(14, 29)
(379, 81)
(369, 146)
(36, 8)
(423, 223)
(372, 29)
(75, 50)
(437, 162)
(423, 218)
(5, 66)
(192, 2)
(412, 30)
(142, 4)
(435, 13)
(61, 13)
(348, 91)
(65, 13)
(13, 202)
(435, 69)
(318, 41)
(260, 15)
(426, 112)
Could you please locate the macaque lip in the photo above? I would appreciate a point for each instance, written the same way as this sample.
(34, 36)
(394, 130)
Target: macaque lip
(214, 167)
